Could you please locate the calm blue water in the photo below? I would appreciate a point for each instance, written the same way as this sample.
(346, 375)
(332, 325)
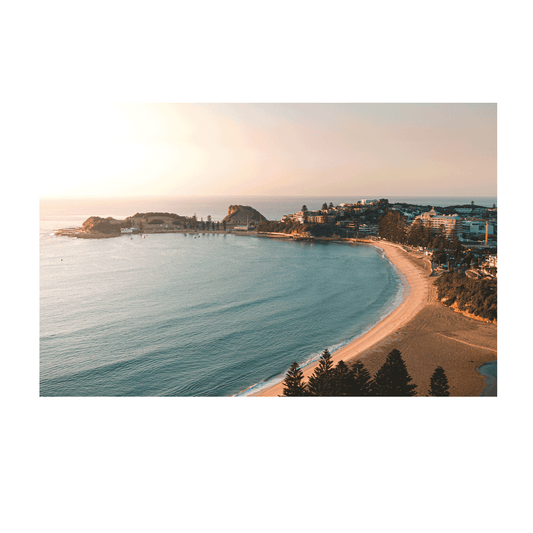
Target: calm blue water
(213, 316)
(489, 371)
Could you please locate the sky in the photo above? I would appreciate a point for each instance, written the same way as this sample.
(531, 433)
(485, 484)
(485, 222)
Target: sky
(270, 149)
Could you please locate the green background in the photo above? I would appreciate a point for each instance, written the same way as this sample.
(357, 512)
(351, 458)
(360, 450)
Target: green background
(265, 473)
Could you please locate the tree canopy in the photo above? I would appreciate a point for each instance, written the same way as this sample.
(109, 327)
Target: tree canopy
(393, 379)
(478, 297)
(362, 380)
(321, 383)
(293, 382)
(439, 383)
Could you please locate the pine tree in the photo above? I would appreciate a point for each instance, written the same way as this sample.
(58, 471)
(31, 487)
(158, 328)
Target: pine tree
(294, 385)
(392, 379)
(343, 380)
(321, 383)
(439, 383)
(362, 380)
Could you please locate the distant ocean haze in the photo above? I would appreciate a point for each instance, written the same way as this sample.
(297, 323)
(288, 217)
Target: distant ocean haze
(211, 316)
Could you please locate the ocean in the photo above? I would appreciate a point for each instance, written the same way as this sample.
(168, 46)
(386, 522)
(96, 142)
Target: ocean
(219, 315)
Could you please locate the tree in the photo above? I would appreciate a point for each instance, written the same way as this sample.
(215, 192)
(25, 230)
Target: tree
(305, 214)
(224, 224)
(456, 246)
(440, 256)
(392, 379)
(343, 380)
(439, 383)
(321, 383)
(324, 206)
(362, 380)
(293, 382)
(392, 226)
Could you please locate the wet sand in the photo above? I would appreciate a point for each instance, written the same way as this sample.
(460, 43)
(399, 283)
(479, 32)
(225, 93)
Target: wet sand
(427, 333)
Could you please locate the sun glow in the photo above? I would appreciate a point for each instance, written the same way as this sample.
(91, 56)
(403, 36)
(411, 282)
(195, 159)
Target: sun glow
(190, 149)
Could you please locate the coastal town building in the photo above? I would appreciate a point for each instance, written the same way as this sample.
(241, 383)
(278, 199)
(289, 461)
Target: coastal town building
(451, 224)
(368, 229)
(322, 219)
(478, 228)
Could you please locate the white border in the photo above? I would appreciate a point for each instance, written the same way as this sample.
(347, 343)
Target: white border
(504, 404)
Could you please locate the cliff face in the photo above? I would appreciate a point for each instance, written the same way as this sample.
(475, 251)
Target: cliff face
(241, 214)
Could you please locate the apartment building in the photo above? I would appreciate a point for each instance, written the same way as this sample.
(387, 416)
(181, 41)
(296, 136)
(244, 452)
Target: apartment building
(452, 223)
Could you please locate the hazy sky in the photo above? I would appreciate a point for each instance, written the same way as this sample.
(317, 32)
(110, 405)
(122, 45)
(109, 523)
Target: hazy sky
(270, 149)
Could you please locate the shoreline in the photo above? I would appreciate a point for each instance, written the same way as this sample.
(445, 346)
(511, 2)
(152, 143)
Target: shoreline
(426, 332)
(77, 233)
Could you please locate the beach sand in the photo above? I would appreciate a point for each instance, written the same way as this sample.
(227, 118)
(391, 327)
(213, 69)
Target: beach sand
(426, 333)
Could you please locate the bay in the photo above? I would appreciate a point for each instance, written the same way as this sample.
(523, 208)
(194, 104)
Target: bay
(218, 315)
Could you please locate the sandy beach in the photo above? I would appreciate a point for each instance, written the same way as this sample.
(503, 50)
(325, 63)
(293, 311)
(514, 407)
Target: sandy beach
(427, 333)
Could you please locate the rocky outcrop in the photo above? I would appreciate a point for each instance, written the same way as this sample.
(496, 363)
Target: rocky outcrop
(243, 214)
(106, 226)
(145, 220)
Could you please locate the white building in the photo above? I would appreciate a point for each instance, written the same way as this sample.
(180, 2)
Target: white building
(450, 223)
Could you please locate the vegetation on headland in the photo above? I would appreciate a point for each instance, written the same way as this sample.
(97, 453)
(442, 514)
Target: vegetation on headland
(243, 214)
(392, 379)
(304, 230)
(104, 226)
(475, 296)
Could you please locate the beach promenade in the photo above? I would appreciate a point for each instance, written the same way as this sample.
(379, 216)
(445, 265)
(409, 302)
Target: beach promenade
(427, 333)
